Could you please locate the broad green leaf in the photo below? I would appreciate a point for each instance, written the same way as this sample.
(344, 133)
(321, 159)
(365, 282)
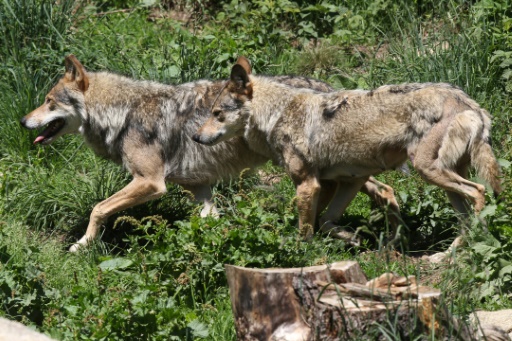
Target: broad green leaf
(506, 62)
(507, 74)
(483, 249)
(199, 329)
(173, 71)
(505, 271)
(148, 3)
(115, 264)
(504, 163)
(488, 210)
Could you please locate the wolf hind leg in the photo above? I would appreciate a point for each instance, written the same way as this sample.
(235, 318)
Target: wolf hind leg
(443, 163)
(440, 160)
(453, 182)
(460, 202)
(459, 191)
(384, 196)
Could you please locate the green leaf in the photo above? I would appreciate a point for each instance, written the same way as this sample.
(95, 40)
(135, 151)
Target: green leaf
(222, 57)
(173, 71)
(484, 275)
(483, 250)
(72, 309)
(199, 329)
(507, 270)
(504, 163)
(148, 3)
(489, 210)
(487, 289)
(115, 264)
(507, 74)
(403, 196)
(506, 62)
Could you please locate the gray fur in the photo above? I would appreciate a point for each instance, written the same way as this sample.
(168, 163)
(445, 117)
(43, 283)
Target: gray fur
(349, 135)
(147, 127)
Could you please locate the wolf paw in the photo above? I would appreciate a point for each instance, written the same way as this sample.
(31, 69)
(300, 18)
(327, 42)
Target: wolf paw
(80, 245)
(437, 258)
(448, 255)
(75, 247)
(338, 232)
(209, 211)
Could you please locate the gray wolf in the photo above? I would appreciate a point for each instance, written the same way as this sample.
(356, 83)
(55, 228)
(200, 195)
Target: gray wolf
(147, 127)
(350, 135)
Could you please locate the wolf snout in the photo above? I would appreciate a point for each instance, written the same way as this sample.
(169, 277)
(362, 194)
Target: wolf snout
(196, 137)
(203, 139)
(23, 122)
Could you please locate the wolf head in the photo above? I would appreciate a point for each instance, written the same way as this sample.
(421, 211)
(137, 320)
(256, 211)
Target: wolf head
(62, 109)
(228, 118)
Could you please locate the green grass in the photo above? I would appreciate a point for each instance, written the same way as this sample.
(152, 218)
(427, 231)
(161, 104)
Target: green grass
(157, 273)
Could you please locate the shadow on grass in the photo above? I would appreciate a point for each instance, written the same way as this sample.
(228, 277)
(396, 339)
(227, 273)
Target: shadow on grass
(418, 235)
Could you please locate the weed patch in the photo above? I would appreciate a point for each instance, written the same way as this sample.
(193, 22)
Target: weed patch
(158, 273)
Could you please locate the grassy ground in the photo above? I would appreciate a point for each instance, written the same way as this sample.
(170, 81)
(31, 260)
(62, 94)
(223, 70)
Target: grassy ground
(157, 272)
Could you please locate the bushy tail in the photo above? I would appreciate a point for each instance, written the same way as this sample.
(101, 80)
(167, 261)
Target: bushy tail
(486, 165)
(482, 156)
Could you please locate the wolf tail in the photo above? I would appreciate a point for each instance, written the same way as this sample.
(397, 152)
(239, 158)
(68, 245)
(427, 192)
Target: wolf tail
(483, 158)
(469, 133)
(487, 167)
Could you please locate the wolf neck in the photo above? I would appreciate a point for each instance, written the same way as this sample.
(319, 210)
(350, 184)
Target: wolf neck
(266, 108)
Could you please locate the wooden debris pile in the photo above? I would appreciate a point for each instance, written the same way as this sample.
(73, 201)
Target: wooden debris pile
(332, 302)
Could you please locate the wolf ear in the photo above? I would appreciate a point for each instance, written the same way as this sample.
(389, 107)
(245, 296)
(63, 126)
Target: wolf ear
(75, 72)
(240, 76)
(245, 63)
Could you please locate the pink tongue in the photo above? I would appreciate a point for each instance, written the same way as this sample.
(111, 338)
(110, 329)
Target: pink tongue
(39, 139)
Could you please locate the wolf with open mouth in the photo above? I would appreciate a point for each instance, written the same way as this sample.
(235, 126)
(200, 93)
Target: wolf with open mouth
(147, 127)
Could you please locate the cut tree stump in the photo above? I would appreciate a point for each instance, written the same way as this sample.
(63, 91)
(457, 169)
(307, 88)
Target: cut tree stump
(330, 302)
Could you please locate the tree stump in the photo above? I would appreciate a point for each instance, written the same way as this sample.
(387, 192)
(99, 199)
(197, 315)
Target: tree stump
(328, 302)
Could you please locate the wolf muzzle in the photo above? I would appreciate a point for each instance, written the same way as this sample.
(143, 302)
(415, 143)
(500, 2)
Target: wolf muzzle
(23, 122)
(196, 138)
(199, 139)
(202, 140)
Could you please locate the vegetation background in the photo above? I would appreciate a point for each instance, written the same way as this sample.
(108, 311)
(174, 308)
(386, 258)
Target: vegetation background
(157, 273)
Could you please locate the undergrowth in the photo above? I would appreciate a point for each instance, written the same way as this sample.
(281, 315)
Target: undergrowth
(158, 271)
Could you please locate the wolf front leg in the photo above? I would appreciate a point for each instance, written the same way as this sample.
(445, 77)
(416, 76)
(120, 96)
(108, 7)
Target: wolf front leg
(345, 193)
(145, 163)
(308, 191)
(307, 185)
(203, 194)
(136, 192)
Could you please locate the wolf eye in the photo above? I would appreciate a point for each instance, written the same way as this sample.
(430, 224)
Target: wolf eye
(216, 113)
(48, 100)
